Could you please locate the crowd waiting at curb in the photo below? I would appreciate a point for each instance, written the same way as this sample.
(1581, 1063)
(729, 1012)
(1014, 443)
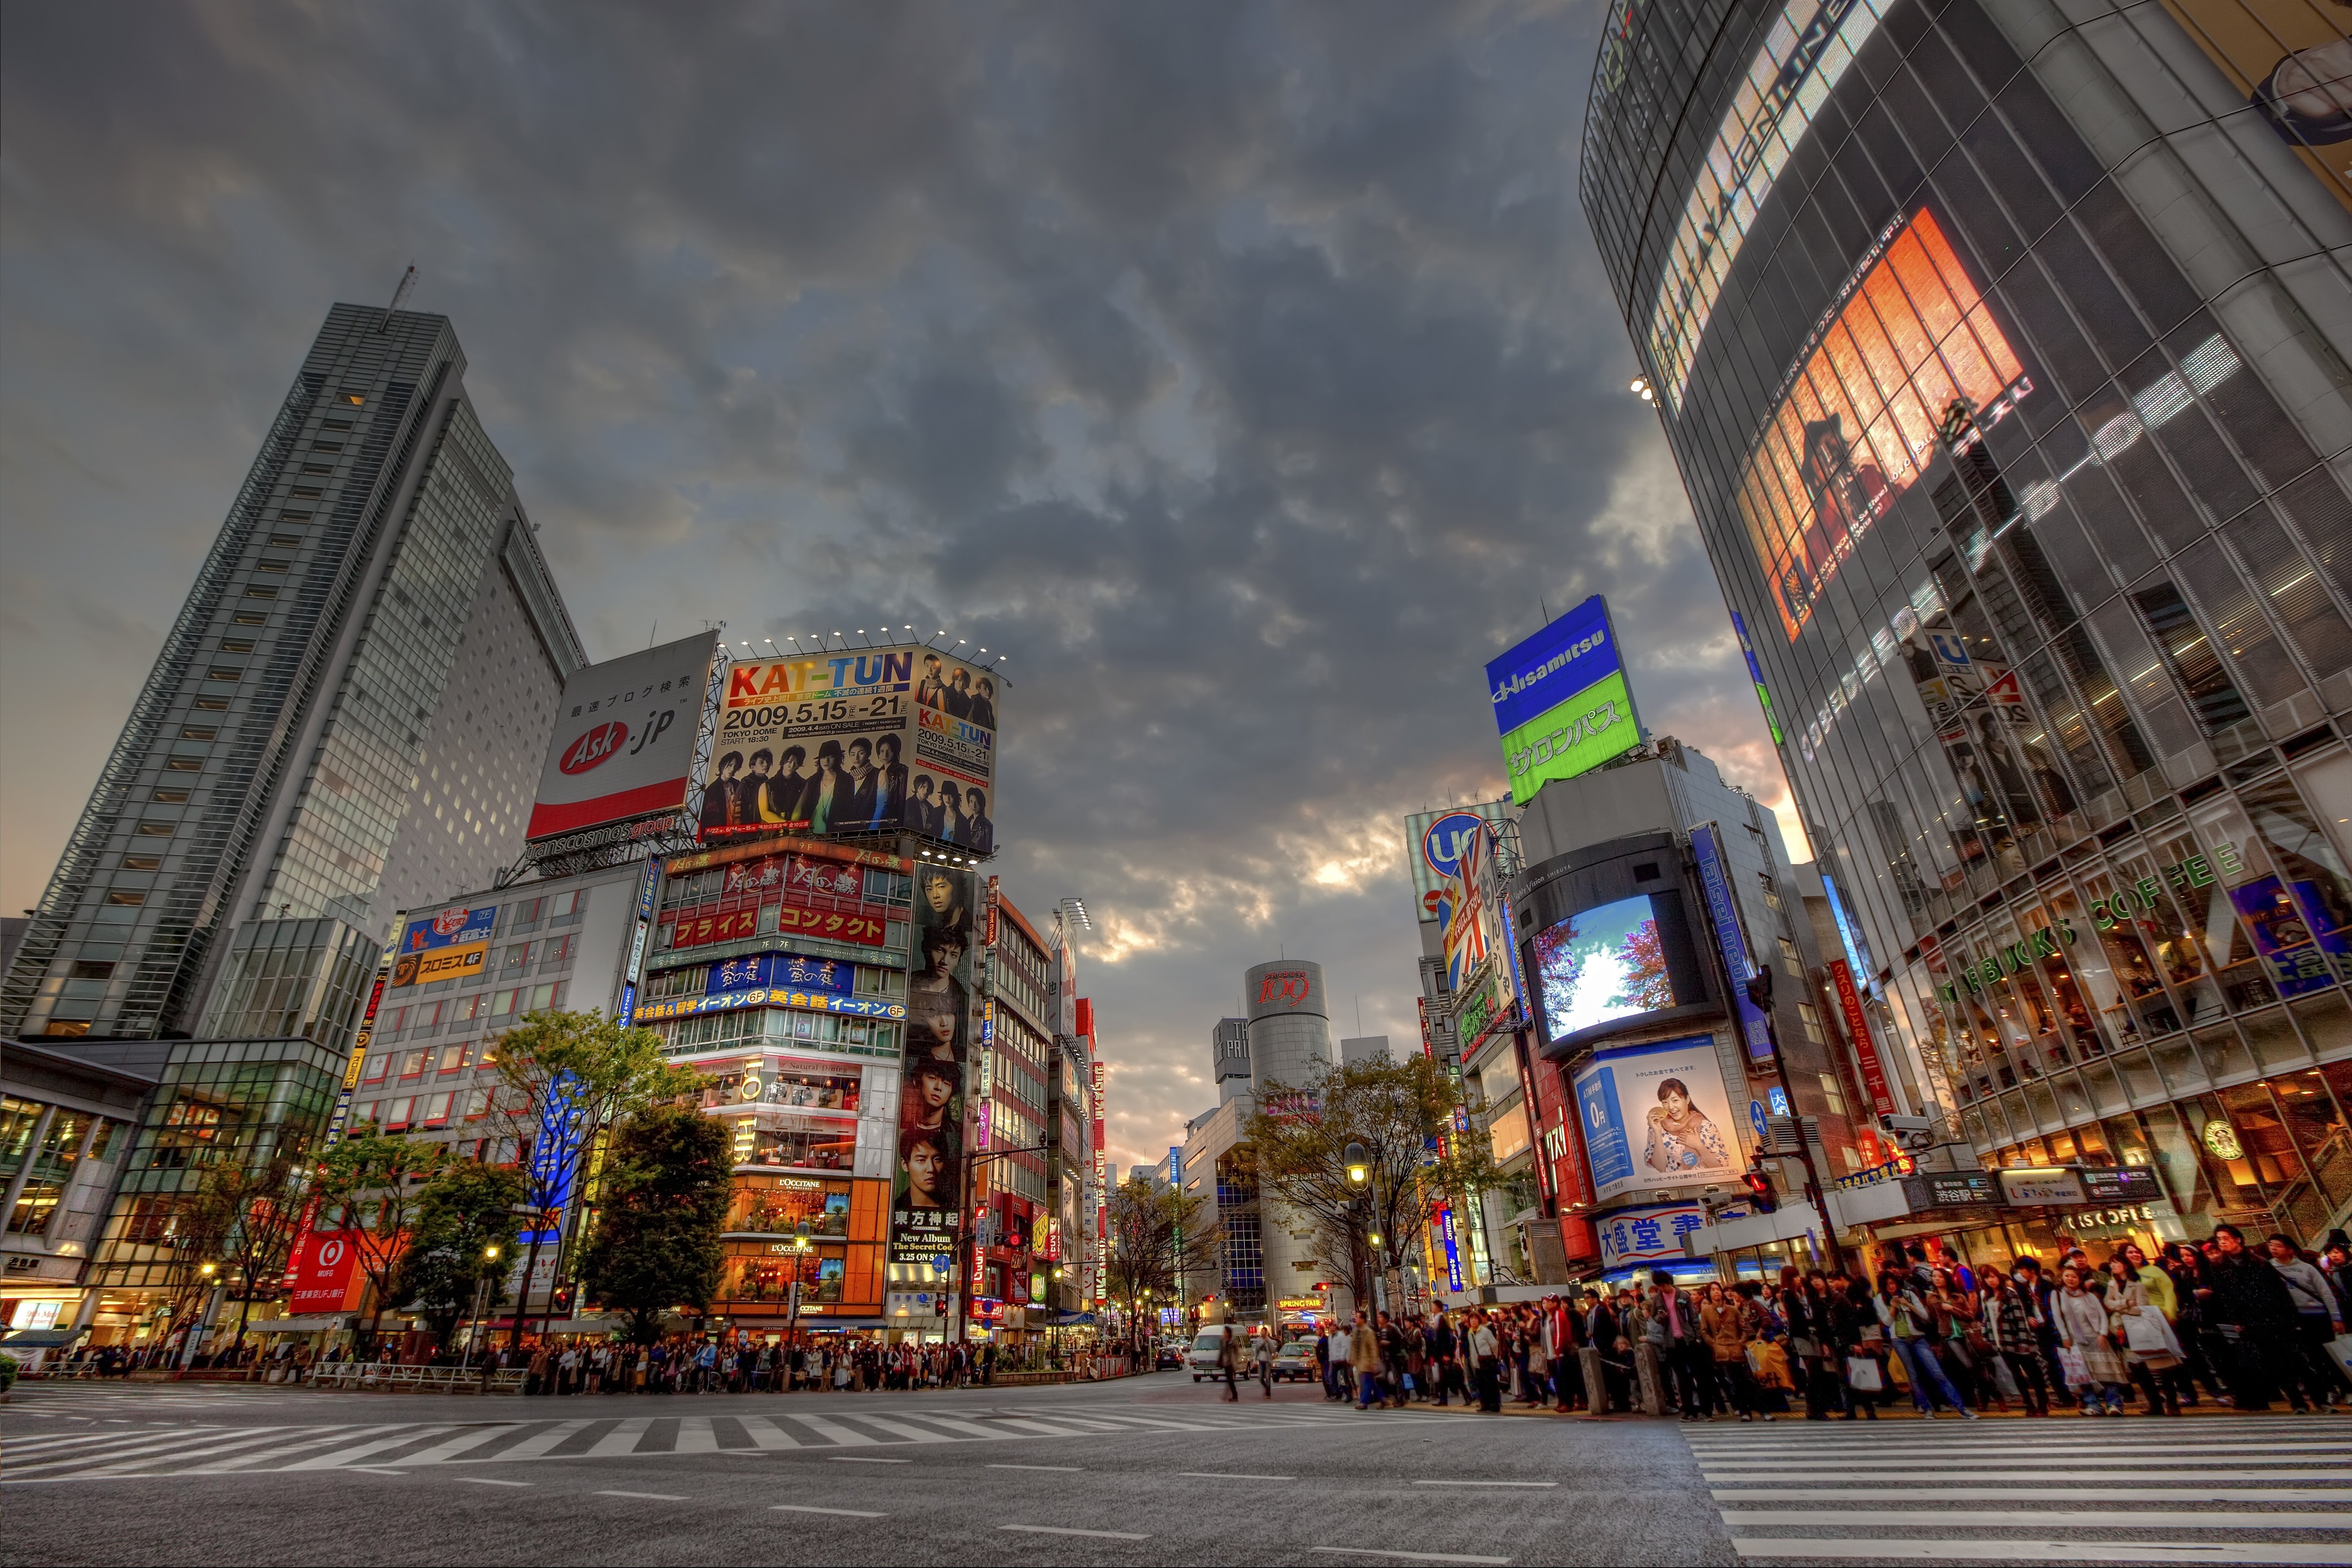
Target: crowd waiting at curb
(2220, 1319)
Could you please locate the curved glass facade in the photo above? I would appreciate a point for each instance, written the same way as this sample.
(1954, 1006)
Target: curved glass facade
(2002, 345)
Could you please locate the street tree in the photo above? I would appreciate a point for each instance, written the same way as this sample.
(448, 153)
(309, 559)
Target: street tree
(1402, 1116)
(192, 1228)
(258, 1209)
(1150, 1226)
(463, 1244)
(370, 1188)
(664, 1203)
(565, 1081)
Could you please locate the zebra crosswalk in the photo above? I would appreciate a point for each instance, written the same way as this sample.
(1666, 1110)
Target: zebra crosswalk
(2210, 1489)
(214, 1450)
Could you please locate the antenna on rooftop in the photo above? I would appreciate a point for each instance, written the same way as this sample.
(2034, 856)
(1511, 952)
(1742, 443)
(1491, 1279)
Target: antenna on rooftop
(399, 297)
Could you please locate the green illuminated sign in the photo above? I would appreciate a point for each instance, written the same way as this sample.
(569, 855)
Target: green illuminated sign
(1592, 726)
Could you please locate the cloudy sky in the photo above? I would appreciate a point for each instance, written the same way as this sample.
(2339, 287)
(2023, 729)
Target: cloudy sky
(1246, 373)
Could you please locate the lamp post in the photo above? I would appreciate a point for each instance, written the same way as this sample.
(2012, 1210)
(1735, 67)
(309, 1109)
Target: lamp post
(800, 1261)
(481, 1283)
(1358, 1167)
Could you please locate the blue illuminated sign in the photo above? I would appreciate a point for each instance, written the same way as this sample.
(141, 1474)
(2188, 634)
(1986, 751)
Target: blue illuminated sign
(1552, 665)
(1731, 941)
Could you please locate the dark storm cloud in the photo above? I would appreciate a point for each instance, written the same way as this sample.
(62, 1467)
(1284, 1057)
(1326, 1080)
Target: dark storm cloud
(1246, 373)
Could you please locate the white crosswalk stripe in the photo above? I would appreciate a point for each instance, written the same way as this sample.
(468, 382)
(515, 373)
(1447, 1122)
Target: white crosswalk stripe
(2271, 1489)
(157, 1451)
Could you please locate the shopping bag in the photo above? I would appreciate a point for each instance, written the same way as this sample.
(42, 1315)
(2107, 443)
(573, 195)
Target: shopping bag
(1769, 1362)
(2144, 1332)
(2339, 1350)
(1862, 1375)
(2073, 1368)
(1899, 1369)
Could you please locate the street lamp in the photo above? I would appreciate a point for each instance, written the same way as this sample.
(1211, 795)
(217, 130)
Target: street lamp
(1359, 1169)
(800, 1257)
(481, 1283)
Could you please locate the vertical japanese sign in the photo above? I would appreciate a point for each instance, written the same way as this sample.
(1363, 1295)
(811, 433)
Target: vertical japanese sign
(1865, 1050)
(1730, 940)
(647, 886)
(339, 1123)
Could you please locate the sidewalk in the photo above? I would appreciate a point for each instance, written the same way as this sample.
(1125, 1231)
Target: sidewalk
(1905, 1411)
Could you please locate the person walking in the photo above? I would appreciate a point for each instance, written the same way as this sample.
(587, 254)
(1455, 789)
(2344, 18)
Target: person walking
(1262, 1358)
(2095, 1371)
(1445, 1370)
(1908, 1325)
(1364, 1359)
(2318, 1317)
(1229, 1355)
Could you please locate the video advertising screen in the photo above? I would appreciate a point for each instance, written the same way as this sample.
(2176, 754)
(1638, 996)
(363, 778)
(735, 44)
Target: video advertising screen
(1601, 965)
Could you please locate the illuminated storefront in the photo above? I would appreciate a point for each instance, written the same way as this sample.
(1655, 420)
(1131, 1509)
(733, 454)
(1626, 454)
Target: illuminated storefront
(2010, 428)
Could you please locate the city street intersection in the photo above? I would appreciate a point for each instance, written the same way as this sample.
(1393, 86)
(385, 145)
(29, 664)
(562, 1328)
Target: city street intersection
(1149, 1470)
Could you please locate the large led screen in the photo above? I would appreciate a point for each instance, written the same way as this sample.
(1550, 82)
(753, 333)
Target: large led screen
(1860, 419)
(1601, 965)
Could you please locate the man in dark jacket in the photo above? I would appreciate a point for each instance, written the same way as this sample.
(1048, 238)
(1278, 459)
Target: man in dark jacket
(2247, 1302)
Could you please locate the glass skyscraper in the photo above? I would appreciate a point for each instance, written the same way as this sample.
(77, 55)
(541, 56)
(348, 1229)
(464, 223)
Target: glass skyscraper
(2002, 345)
(347, 719)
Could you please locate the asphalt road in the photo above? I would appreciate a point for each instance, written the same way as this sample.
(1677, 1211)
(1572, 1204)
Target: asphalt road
(1150, 1470)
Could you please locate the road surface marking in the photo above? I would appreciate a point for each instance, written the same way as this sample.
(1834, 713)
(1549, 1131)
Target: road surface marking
(1989, 1550)
(649, 1497)
(1066, 1530)
(1405, 1556)
(491, 1482)
(1539, 1484)
(837, 1512)
(1067, 1469)
(1998, 1519)
(1229, 1475)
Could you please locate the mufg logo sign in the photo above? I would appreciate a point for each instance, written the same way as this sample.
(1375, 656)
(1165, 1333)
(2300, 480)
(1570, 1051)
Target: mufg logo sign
(1440, 851)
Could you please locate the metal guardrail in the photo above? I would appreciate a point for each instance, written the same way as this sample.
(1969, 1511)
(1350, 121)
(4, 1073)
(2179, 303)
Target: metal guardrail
(374, 1376)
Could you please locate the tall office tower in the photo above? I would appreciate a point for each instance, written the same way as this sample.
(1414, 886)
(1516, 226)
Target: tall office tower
(2002, 345)
(346, 720)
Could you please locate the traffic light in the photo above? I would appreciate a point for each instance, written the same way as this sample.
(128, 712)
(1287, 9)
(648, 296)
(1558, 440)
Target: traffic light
(561, 1300)
(1759, 1189)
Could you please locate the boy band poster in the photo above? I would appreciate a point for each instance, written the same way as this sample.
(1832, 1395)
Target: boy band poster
(883, 740)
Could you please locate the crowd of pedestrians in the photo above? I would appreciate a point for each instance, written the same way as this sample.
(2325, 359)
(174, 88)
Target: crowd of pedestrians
(2221, 1320)
(747, 1365)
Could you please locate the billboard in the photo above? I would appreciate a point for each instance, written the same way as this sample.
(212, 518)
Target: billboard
(451, 946)
(1864, 413)
(941, 1004)
(1434, 841)
(325, 1274)
(623, 742)
(1601, 965)
(1561, 700)
(882, 740)
(1730, 940)
(1684, 1135)
(2289, 58)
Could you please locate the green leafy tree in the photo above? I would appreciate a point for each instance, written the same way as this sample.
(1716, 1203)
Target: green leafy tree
(665, 1193)
(463, 1244)
(565, 1081)
(259, 1209)
(1149, 1224)
(1402, 1113)
(371, 1186)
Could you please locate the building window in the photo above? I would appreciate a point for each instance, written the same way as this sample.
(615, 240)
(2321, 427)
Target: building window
(143, 862)
(1813, 1021)
(131, 900)
(237, 645)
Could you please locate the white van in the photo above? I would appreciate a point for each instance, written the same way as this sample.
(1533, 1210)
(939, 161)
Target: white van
(1201, 1361)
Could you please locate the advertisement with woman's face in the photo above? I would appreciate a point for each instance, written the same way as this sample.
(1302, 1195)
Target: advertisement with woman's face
(1657, 1116)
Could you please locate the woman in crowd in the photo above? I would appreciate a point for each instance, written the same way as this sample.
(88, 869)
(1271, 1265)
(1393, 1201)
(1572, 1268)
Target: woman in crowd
(2149, 1348)
(1910, 1325)
(2012, 1325)
(2093, 1370)
(1723, 1324)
